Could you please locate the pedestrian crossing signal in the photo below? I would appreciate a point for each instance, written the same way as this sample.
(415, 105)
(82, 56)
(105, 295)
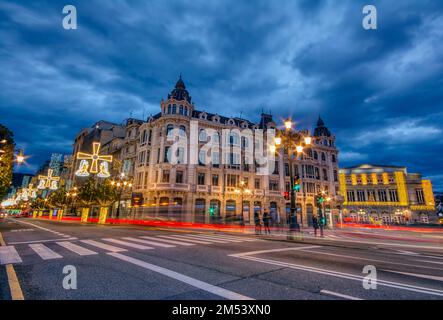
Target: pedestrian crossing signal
(286, 195)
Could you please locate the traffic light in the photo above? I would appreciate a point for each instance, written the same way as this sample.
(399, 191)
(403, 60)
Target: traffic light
(319, 199)
(297, 183)
(211, 211)
(286, 195)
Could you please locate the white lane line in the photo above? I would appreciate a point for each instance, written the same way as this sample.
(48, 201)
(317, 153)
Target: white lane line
(39, 227)
(76, 248)
(249, 253)
(199, 241)
(349, 276)
(152, 243)
(236, 238)
(9, 255)
(197, 237)
(340, 295)
(221, 292)
(180, 243)
(220, 238)
(44, 252)
(39, 241)
(424, 276)
(103, 246)
(427, 261)
(370, 259)
(128, 244)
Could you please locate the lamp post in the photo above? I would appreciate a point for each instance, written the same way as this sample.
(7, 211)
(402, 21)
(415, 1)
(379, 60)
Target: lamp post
(242, 190)
(293, 142)
(121, 186)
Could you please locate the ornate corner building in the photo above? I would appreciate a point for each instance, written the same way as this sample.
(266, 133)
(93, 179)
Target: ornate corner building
(386, 194)
(207, 193)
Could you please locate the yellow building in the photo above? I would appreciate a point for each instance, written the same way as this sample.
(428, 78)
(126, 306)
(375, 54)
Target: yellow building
(386, 195)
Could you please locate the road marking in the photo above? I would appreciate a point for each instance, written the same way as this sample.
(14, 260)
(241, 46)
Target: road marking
(39, 241)
(128, 244)
(424, 276)
(343, 275)
(222, 238)
(235, 237)
(181, 243)
(340, 295)
(39, 227)
(9, 255)
(44, 252)
(14, 284)
(370, 259)
(152, 243)
(206, 238)
(242, 254)
(103, 246)
(427, 261)
(76, 248)
(221, 292)
(177, 237)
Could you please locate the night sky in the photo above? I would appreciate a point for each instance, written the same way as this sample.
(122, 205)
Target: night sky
(379, 91)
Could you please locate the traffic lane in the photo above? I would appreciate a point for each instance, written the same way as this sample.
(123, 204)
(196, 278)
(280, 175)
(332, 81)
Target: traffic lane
(101, 277)
(23, 230)
(5, 293)
(311, 270)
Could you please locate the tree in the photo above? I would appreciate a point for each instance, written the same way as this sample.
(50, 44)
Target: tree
(101, 193)
(6, 159)
(58, 198)
(39, 204)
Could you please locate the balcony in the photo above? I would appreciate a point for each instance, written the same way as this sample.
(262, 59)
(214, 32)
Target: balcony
(216, 189)
(171, 186)
(202, 188)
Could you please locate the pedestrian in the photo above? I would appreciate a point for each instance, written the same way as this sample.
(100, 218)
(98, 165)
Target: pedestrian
(266, 222)
(315, 224)
(257, 222)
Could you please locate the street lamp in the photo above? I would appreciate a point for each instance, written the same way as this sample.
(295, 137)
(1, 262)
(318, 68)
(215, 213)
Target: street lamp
(121, 186)
(294, 142)
(242, 190)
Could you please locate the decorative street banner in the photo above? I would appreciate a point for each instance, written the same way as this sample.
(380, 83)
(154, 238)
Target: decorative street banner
(85, 168)
(48, 182)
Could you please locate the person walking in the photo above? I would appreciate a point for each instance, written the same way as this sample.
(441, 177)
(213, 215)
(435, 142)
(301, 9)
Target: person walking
(315, 224)
(257, 222)
(266, 221)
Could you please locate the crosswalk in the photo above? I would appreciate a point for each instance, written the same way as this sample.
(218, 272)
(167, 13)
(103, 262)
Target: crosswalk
(57, 250)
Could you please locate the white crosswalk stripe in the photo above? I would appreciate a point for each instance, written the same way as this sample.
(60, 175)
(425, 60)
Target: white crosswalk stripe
(193, 236)
(103, 246)
(9, 255)
(152, 243)
(76, 248)
(180, 243)
(128, 244)
(44, 252)
(234, 237)
(181, 237)
(222, 238)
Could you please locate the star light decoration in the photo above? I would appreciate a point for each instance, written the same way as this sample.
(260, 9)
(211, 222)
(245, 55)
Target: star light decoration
(84, 169)
(48, 182)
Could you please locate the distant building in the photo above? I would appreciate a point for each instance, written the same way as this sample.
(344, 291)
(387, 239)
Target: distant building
(386, 194)
(19, 180)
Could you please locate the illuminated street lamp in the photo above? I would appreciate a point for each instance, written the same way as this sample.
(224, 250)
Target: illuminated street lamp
(242, 190)
(121, 186)
(294, 142)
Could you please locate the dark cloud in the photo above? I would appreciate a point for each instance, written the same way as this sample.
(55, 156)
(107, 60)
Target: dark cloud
(379, 91)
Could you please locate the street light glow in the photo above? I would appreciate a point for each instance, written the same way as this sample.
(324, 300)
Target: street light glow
(299, 149)
(277, 141)
(308, 140)
(288, 124)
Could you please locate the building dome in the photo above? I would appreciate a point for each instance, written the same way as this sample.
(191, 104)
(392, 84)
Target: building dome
(180, 93)
(321, 129)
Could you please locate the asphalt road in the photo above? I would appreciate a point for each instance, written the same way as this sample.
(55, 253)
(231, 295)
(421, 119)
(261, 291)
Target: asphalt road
(127, 262)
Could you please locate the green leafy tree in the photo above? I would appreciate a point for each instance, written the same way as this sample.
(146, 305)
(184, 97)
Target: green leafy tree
(87, 193)
(6, 159)
(106, 193)
(58, 198)
(39, 204)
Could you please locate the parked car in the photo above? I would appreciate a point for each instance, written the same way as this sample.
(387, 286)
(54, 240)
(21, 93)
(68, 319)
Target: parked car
(21, 215)
(3, 214)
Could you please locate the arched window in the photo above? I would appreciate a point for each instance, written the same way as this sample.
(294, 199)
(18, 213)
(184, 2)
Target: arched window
(186, 111)
(315, 155)
(216, 137)
(182, 131)
(169, 109)
(333, 157)
(244, 142)
(234, 138)
(181, 109)
(169, 129)
(202, 137)
(174, 108)
(323, 156)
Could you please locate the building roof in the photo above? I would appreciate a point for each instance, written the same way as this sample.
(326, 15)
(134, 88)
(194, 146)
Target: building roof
(372, 168)
(321, 130)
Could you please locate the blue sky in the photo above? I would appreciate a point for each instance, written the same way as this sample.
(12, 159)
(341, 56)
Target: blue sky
(379, 91)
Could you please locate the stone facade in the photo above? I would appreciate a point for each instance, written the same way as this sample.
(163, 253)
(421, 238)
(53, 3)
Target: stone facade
(206, 193)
